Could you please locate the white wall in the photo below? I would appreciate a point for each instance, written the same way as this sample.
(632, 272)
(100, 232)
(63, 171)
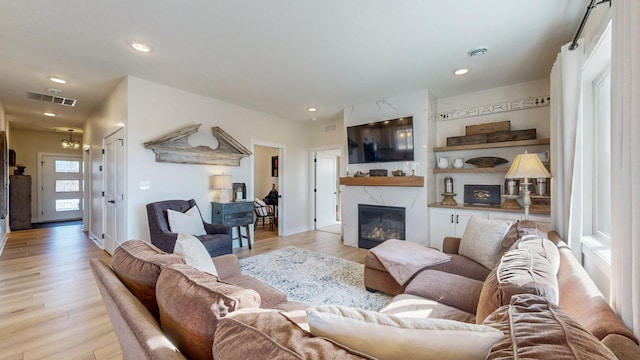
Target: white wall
(532, 118)
(413, 199)
(27, 144)
(155, 110)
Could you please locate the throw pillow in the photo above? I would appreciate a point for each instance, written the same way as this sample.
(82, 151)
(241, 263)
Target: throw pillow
(191, 304)
(519, 272)
(482, 239)
(543, 247)
(534, 328)
(391, 337)
(189, 222)
(138, 264)
(194, 253)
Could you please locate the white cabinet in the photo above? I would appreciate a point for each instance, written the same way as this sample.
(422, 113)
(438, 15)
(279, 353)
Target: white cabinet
(449, 222)
(543, 220)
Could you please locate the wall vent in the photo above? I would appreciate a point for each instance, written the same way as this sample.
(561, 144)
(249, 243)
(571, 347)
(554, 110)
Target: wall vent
(330, 128)
(51, 99)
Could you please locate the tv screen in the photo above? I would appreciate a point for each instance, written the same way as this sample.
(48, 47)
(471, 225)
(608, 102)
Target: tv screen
(382, 141)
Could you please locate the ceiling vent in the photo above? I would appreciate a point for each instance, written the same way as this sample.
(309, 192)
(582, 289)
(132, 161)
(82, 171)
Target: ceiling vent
(51, 99)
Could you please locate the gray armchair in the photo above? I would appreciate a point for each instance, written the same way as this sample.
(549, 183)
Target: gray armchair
(217, 240)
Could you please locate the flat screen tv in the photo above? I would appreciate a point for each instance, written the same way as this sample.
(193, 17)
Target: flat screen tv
(382, 141)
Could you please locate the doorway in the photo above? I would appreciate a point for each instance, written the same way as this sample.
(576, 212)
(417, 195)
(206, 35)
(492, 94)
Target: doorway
(268, 171)
(61, 188)
(327, 194)
(114, 198)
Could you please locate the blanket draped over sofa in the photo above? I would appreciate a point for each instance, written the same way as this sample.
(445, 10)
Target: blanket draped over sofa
(403, 259)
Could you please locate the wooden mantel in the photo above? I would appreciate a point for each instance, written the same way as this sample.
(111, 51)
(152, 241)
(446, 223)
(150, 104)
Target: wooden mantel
(406, 181)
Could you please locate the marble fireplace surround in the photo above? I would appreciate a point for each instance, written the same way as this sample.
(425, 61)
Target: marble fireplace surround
(412, 198)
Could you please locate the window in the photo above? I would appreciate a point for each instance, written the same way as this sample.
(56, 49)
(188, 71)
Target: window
(596, 147)
(601, 225)
(67, 185)
(65, 166)
(67, 204)
(404, 139)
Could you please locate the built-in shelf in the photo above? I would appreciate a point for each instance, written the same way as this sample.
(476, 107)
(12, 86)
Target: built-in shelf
(534, 209)
(499, 169)
(407, 181)
(502, 144)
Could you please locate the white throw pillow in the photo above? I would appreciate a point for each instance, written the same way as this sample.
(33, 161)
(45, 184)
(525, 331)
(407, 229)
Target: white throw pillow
(482, 239)
(189, 222)
(391, 337)
(260, 202)
(194, 253)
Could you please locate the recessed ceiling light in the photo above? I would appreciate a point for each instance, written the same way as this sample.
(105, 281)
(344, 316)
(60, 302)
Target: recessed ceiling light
(314, 118)
(49, 114)
(140, 47)
(312, 109)
(58, 80)
(461, 71)
(477, 51)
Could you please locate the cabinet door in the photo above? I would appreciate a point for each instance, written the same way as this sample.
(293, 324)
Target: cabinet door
(542, 220)
(510, 217)
(461, 219)
(442, 225)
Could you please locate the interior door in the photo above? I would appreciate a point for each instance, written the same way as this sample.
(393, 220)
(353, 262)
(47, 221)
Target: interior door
(61, 190)
(326, 189)
(113, 170)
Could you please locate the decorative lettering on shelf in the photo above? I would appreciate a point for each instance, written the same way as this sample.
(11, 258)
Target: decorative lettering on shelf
(513, 105)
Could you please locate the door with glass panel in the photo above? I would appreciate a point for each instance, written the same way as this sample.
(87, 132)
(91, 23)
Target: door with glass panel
(61, 189)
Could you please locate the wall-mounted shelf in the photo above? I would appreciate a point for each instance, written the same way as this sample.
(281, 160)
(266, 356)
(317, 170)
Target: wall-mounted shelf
(406, 181)
(503, 144)
(501, 169)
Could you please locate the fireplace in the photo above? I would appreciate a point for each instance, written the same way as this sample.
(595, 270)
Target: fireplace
(379, 223)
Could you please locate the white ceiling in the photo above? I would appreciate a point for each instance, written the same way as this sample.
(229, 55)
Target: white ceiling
(277, 56)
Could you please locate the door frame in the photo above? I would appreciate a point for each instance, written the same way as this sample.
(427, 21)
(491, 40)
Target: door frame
(40, 180)
(312, 175)
(282, 184)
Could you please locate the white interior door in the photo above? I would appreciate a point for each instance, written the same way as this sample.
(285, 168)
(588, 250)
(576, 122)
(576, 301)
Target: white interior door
(113, 170)
(326, 189)
(61, 189)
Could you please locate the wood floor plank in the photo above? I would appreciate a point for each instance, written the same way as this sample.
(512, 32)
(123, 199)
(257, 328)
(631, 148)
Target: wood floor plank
(50, 306)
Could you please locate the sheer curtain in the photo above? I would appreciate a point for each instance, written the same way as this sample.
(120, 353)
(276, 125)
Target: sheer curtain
(566, 137)
(625, 167)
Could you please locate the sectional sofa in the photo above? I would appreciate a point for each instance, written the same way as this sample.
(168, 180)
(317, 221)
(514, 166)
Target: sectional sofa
(162, 308)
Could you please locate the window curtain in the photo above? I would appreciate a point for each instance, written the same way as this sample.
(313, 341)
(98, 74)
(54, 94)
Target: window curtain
(625, 165)
(566, 137)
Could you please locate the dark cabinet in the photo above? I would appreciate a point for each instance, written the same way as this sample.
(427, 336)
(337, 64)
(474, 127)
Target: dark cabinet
(20, 202)
(237, 214)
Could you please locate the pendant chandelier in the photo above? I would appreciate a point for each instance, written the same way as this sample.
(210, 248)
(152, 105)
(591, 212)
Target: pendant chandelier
(70, 143)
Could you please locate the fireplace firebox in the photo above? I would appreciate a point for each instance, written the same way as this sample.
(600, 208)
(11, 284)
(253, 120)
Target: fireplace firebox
(379, 223)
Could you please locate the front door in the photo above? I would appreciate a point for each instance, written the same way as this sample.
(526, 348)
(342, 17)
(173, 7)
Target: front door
(113, 206)
(61, 189)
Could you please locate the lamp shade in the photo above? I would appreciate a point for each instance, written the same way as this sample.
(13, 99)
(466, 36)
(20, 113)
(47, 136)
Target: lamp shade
(527, 166)
(222, 182)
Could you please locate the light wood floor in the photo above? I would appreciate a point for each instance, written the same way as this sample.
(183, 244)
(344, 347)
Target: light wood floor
(50, 306)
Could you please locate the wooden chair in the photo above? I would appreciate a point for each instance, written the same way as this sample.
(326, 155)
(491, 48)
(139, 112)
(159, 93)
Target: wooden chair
(263, 211)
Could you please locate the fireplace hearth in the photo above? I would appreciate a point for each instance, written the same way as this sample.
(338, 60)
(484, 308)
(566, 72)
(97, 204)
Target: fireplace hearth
(379, 223)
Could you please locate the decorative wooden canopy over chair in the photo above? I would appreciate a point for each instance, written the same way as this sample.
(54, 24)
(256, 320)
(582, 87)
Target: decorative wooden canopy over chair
(216, 238)
(263, 211)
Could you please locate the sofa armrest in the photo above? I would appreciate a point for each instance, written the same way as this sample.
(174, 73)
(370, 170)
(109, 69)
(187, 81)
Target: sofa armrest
(227, 266)
(450, 245)
(622, 346)
(450, 289)
(217, 228)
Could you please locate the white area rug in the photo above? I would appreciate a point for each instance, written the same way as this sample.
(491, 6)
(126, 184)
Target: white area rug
(314, 278)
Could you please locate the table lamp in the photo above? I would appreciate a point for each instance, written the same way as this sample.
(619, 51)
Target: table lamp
(526, 166)
(222, 184)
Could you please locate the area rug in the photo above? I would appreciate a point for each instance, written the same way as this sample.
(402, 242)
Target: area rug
(314, 278)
